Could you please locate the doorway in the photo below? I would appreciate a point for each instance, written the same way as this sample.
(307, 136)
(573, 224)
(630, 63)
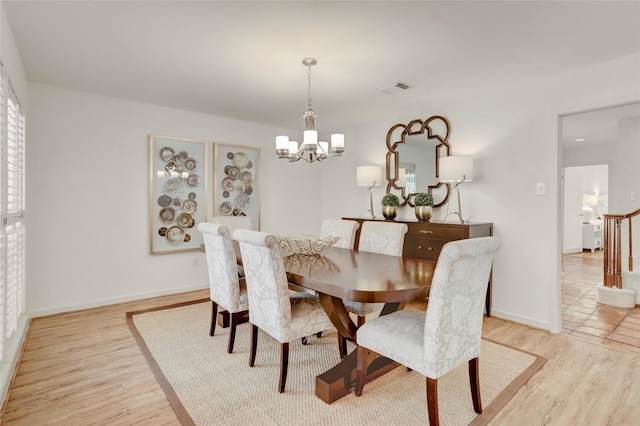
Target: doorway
(598, 152)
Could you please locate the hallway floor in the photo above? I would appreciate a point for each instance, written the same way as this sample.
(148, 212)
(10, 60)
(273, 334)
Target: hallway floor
(583, 317)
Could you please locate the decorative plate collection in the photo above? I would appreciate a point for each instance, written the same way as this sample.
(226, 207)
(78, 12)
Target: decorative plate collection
(178, 201)
(236, 185)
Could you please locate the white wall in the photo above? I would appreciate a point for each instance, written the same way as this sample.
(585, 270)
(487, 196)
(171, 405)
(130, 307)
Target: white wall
(12, 61)
(513, 136)
(87, 197)
(627, 196)
(627, 172)
(573, 215)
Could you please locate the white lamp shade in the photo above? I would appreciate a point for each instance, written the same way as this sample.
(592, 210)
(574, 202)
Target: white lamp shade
(455, 168)
(310, 137)
(369, 175)
(337, 140)
(282, 142)
(590, 200)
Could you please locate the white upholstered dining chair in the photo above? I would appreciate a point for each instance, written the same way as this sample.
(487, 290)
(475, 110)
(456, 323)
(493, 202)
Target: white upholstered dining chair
(226, 289)
(343, 228)
(448, 334)
(283, 315)
(232, 223)
(383, 238)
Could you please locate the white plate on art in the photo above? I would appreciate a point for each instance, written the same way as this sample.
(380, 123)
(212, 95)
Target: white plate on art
(240, 160)
(242, 201)
(246, 177)
(175, 235)
(167, 215)
(189, 206)
(185, 220)
(226, 208)
(228, 184)
(173, 188)
(193, 180)
(166, 153)
(190, 164)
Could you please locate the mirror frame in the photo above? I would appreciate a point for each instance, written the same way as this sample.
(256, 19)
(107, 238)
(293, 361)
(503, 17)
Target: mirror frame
(416, 127)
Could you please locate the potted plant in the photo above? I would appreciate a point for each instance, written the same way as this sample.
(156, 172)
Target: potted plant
(390, 203)
(424, 206)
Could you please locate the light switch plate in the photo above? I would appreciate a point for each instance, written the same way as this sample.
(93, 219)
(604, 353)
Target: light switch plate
(541, 188)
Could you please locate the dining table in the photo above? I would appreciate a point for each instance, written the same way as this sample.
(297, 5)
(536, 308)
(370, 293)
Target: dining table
(338, 274)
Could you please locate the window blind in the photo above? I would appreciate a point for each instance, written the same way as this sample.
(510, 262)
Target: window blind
(12, 200)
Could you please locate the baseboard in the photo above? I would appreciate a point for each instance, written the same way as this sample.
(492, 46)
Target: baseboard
(510, 316)
(114, 300)
(572, 250)
(10, 364)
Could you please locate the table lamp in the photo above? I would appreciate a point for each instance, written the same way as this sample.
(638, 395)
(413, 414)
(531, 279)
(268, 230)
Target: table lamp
(369, 176)
(456, 170)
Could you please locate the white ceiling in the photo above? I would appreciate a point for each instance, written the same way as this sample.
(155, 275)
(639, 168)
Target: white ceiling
(243, 59)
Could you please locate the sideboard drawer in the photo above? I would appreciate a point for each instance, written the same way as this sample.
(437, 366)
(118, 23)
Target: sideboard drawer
(437, 232)
(422, 248)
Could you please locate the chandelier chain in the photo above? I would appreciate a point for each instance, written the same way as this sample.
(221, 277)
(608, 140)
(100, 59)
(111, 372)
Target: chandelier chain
(309, 106)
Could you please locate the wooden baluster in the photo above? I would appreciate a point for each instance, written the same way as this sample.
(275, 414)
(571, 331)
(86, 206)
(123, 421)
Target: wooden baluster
(618, 253)
(630, 247)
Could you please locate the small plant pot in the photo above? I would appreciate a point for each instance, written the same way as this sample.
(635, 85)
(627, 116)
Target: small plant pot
(424, 213)
(389, 212)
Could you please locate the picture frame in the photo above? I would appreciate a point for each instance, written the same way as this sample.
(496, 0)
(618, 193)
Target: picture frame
(236, 170)
(178, 194)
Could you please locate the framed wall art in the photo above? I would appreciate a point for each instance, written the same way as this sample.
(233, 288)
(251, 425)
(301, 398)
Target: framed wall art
(236, 170)
(177, 193)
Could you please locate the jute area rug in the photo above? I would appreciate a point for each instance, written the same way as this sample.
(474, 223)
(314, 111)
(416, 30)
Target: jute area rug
(207, 386)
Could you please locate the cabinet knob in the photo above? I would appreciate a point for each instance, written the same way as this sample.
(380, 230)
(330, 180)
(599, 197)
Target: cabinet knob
(429, 248)
(420, 247)
(424, 231)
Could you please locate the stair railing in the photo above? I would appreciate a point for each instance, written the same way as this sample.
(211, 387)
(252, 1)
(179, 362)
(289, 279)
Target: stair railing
(613, 247)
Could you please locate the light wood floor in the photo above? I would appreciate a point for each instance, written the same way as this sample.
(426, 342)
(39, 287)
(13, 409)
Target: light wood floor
(84, 368)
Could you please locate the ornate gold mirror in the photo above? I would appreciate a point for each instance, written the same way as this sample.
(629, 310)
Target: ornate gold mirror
(412, 159)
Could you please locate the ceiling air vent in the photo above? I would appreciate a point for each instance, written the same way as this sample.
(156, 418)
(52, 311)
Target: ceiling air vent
(396, 87)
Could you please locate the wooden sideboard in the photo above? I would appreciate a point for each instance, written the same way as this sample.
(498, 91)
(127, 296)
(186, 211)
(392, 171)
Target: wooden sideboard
(424, 240)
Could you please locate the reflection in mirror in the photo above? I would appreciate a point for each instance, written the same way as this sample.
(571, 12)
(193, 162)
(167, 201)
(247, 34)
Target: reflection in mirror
(407, 177)
(412, 159)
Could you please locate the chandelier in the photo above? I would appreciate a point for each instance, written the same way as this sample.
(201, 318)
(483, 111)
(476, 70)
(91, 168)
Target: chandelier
(311, 149)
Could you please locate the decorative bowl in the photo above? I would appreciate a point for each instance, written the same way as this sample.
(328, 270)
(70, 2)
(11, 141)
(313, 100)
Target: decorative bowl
(307, 244)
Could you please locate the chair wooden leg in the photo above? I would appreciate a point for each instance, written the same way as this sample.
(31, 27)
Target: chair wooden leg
(361, 369)
(284, 365)
(474, 381)
(361, 321)
(214, 313)
(254, 345)
(232, 330)
(432, 401)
